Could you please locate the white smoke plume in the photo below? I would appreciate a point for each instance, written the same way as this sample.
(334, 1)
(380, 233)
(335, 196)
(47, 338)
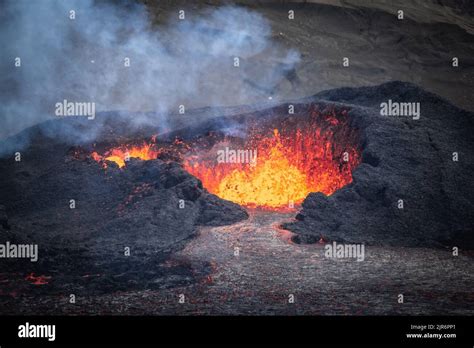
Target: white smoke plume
(189, 62)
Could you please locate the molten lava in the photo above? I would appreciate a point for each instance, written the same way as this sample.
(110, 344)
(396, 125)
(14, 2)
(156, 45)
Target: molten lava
(296, 156)
(121, 154)
(291, 163)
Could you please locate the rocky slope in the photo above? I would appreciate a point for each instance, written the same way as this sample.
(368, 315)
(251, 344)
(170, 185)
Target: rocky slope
(403, 159)
(136, 210)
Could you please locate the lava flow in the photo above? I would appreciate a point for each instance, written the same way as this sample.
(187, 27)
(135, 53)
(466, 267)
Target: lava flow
(290, 163)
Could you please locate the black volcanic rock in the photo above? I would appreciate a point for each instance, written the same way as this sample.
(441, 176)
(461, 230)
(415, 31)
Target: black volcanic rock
(4, 218)
(151, 208)
(402, 159)
(140, 207)
(217, 212)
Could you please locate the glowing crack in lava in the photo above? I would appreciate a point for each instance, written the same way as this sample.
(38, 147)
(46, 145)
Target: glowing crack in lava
(291, 163)
(37, 280)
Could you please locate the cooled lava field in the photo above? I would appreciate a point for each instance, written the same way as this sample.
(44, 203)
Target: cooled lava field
(144, 220)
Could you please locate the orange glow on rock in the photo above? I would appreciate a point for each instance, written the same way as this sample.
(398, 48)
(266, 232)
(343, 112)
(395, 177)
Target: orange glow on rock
(291, 163)
(298, 156)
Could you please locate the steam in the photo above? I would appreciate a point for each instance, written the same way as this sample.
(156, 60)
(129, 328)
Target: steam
(182, 62)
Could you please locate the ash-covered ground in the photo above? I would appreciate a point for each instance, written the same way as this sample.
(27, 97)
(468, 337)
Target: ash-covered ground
(269, 268)
(192, 251)
(381, 48)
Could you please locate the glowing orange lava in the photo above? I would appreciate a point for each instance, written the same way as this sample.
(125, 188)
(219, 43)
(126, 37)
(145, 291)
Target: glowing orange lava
(121, 154)
(299, 155)
(290, 164)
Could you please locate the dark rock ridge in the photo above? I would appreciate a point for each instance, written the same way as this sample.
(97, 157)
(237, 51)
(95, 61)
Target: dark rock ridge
(403, 159)
(136, 208)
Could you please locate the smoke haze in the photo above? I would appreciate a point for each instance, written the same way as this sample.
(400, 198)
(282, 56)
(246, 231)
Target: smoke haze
(182, 62)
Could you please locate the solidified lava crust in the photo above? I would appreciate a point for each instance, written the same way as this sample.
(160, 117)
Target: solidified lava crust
(138, 209)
